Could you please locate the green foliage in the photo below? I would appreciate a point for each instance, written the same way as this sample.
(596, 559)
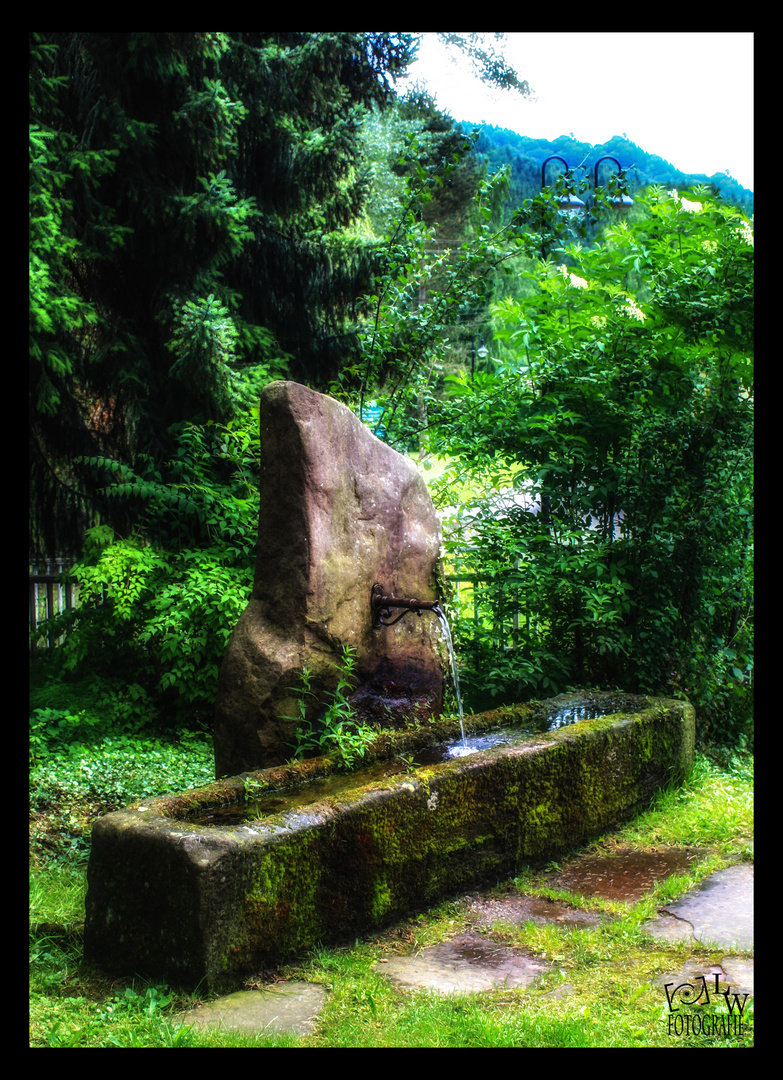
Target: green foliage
(53, 731)
(119, 768)
(92, 750)
(618, 439)
(523, 156)
(57, 164)
(487, 59)
(126, 1019)
(165, 616)
(160, 605)
(405, 335)
(192, 198)
(334, 730)
(96, 766)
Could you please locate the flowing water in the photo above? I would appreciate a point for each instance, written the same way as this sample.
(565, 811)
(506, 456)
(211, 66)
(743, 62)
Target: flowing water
(563, 716)
(444, 622)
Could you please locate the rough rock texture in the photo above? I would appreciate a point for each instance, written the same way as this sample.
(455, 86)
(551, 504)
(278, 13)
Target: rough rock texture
(172, 899)
(340, 510)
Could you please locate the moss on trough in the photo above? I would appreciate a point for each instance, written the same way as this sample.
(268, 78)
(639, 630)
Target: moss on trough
(170, 898)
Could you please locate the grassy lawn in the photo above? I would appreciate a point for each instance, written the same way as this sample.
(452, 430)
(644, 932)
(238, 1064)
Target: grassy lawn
(600, 991)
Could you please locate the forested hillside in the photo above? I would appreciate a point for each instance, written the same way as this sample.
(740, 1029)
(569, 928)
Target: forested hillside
(498, 147)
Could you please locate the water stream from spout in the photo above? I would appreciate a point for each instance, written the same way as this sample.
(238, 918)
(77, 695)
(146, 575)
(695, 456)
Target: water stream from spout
(444, 622)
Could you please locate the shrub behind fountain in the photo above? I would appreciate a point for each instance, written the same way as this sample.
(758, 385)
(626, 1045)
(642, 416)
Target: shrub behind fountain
(340, 510)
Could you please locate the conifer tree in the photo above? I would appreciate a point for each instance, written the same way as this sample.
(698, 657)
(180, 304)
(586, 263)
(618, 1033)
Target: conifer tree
(192, 196)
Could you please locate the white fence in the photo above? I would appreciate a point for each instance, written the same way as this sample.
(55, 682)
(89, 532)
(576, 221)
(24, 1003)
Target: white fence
(51, 593)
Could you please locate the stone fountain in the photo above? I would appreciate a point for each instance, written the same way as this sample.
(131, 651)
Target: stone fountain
(273, 858)
(340, 512)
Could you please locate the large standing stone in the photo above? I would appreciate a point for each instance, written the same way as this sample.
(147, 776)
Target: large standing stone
(340, 510)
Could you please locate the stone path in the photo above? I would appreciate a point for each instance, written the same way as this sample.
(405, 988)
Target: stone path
(464, 965)
(290, 1006)
(718, 913)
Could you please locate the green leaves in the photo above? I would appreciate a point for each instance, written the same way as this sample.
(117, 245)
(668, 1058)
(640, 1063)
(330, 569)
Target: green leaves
(192, 230)
(165, 617)
(204, 341)
(424, 287)
(625, 405)
(209, 115)
(160, 605)
(334, 731)
(215, 218)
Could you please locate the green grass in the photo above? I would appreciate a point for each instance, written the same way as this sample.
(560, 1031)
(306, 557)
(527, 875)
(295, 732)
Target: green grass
(611, 999)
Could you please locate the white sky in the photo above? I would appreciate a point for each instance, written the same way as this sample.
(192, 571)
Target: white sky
(685, 96)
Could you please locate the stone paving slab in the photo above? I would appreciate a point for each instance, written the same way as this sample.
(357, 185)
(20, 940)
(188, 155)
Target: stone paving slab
(627, 874)
(718, 912)
(466, 964)
(739, 973)
(292, 1007)
(517, 908)
(734, 974)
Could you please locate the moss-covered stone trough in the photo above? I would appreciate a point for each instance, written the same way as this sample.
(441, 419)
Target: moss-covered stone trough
(213, 883)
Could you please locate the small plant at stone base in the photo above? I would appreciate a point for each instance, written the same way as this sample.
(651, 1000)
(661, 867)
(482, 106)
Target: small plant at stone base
(306, 739)
(334, 729)
(254, 788)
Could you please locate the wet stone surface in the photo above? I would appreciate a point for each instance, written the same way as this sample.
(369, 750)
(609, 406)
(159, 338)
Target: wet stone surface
(627, 875)
(466, 964)
(719, 912)
(734, 975)
(291, 1007)
(518, 909)
(571, 708)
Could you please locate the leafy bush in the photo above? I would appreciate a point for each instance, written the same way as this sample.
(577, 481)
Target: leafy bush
(73, 783)
(121, 768)
(54, 730)
(618, 440)
(160, 605)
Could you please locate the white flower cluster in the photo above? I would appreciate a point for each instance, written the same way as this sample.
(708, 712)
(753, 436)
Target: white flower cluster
(686, 204)
(745, 232)
(574, 280)
(632, 311)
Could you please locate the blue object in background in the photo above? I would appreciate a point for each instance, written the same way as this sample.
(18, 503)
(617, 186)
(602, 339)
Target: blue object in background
(371, 414)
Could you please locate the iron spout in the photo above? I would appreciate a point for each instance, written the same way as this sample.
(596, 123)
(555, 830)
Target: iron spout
(382, 605)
